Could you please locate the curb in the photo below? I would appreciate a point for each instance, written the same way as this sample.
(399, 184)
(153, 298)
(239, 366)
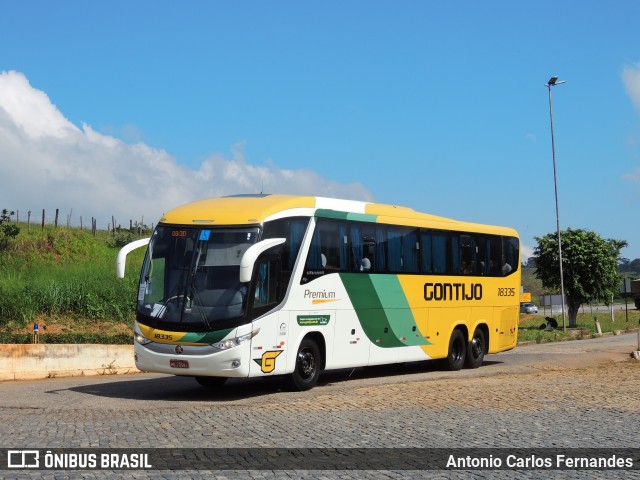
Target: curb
(29, 361)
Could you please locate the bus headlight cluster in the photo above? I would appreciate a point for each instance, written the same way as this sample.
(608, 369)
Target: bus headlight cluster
(234, 342)
(141, 339)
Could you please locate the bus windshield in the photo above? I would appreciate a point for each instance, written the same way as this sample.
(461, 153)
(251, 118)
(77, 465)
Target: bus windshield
(191, 276)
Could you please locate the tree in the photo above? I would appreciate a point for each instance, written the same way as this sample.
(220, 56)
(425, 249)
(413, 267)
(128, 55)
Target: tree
(589, 266)
(7, 230)
(630, 266)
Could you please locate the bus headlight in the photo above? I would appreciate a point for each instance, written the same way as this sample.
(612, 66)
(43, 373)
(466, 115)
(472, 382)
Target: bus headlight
(234, 342)
(141, 339)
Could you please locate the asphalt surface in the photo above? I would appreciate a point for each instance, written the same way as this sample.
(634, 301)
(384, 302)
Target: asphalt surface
(579, 394)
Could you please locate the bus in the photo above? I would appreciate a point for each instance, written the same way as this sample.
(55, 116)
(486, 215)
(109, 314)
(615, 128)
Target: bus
(263, 285)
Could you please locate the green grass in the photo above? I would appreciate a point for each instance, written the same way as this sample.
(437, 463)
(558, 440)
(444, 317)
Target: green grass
(586, 326)
(529, 325)
(66, 275)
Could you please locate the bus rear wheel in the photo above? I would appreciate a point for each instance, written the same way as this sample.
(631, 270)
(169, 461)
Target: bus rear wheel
(476, 349)
(211, 382)
(307, 370)
(457, 351)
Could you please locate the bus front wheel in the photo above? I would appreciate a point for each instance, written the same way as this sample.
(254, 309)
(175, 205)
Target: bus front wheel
(457, 351)
(307, 370)
(476, 349)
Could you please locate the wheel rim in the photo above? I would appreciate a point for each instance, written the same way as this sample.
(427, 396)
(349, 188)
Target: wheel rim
(306, 364)
(456, 351)
(477, 348)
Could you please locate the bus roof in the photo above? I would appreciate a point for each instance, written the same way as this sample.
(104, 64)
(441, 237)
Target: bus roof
(254, 209)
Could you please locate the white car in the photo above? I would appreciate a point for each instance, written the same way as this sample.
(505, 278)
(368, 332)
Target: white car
(528, 308)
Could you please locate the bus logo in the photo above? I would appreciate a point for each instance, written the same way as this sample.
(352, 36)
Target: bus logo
(318, 297)
(23, 459)
(452, 291)
(268, 361)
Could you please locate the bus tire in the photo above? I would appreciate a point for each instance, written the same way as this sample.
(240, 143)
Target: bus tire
(457, 350)
(476, 349)
(211, 382)
(307, 369)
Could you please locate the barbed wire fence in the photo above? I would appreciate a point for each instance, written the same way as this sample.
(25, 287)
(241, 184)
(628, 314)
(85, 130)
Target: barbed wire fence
(48, 218)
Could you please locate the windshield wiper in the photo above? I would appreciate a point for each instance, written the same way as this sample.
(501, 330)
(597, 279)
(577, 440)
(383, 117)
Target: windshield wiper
(195, 296)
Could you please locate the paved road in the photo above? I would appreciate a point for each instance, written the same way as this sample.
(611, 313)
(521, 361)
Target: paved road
(566, 395)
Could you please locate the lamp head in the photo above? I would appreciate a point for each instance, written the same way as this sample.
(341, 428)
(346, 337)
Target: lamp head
(553, 81)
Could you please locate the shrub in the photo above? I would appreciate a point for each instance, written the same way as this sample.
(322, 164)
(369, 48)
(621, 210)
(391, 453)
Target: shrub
(8, 231)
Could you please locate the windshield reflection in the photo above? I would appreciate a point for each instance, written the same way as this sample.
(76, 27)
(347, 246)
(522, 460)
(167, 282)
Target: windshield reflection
(191, 275)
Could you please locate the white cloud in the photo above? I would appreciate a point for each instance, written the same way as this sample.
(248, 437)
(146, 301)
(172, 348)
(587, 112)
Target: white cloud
(46, 162)
(633, 176)
(526, 252)
(631, 81)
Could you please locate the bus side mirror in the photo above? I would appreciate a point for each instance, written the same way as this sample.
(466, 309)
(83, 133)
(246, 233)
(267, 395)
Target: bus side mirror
(251, 255)
(124, 251)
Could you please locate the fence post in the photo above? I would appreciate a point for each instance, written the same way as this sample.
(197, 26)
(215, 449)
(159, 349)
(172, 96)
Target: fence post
(57, 213)
(43, 219)
(29, 221)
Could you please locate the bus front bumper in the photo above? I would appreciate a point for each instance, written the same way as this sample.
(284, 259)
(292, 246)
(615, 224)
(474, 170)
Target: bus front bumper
(193, 361)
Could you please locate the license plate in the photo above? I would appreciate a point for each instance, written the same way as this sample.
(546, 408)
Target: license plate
(178, 363)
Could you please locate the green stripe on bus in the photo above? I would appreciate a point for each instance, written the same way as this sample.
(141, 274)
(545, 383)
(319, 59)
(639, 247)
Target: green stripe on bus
(356, 217)
(205, 337)
(369, 310)
(397, 308)
(383, 310)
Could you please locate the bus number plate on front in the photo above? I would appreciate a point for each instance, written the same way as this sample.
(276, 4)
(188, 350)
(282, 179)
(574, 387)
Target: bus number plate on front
(178, 363)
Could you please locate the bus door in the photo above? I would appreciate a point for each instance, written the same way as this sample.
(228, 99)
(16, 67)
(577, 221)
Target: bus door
(268, 346)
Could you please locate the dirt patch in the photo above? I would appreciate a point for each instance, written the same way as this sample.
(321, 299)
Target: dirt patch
(57, 325)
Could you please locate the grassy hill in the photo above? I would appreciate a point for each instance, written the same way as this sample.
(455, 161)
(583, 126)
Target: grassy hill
(531, 284)
(64, 279)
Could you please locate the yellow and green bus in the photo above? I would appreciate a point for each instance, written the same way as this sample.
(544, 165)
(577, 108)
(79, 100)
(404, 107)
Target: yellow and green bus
(261, 285)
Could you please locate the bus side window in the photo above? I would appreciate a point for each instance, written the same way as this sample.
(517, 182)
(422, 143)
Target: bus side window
(482, 255)
(468, 257)
(410, 250)
(266, 291)
(357, 249)
(510, 255)
(495, 256)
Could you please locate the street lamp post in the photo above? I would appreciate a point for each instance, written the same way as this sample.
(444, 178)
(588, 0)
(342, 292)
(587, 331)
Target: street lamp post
(553, 81)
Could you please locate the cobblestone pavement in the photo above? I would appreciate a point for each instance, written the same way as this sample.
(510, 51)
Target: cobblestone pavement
(576, 394)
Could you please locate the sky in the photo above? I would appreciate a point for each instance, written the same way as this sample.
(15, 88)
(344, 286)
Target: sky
(128, 109)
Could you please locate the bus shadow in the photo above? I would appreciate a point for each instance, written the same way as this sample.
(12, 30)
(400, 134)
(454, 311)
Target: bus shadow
(186, 389)
(397, 370)
(182, 389)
